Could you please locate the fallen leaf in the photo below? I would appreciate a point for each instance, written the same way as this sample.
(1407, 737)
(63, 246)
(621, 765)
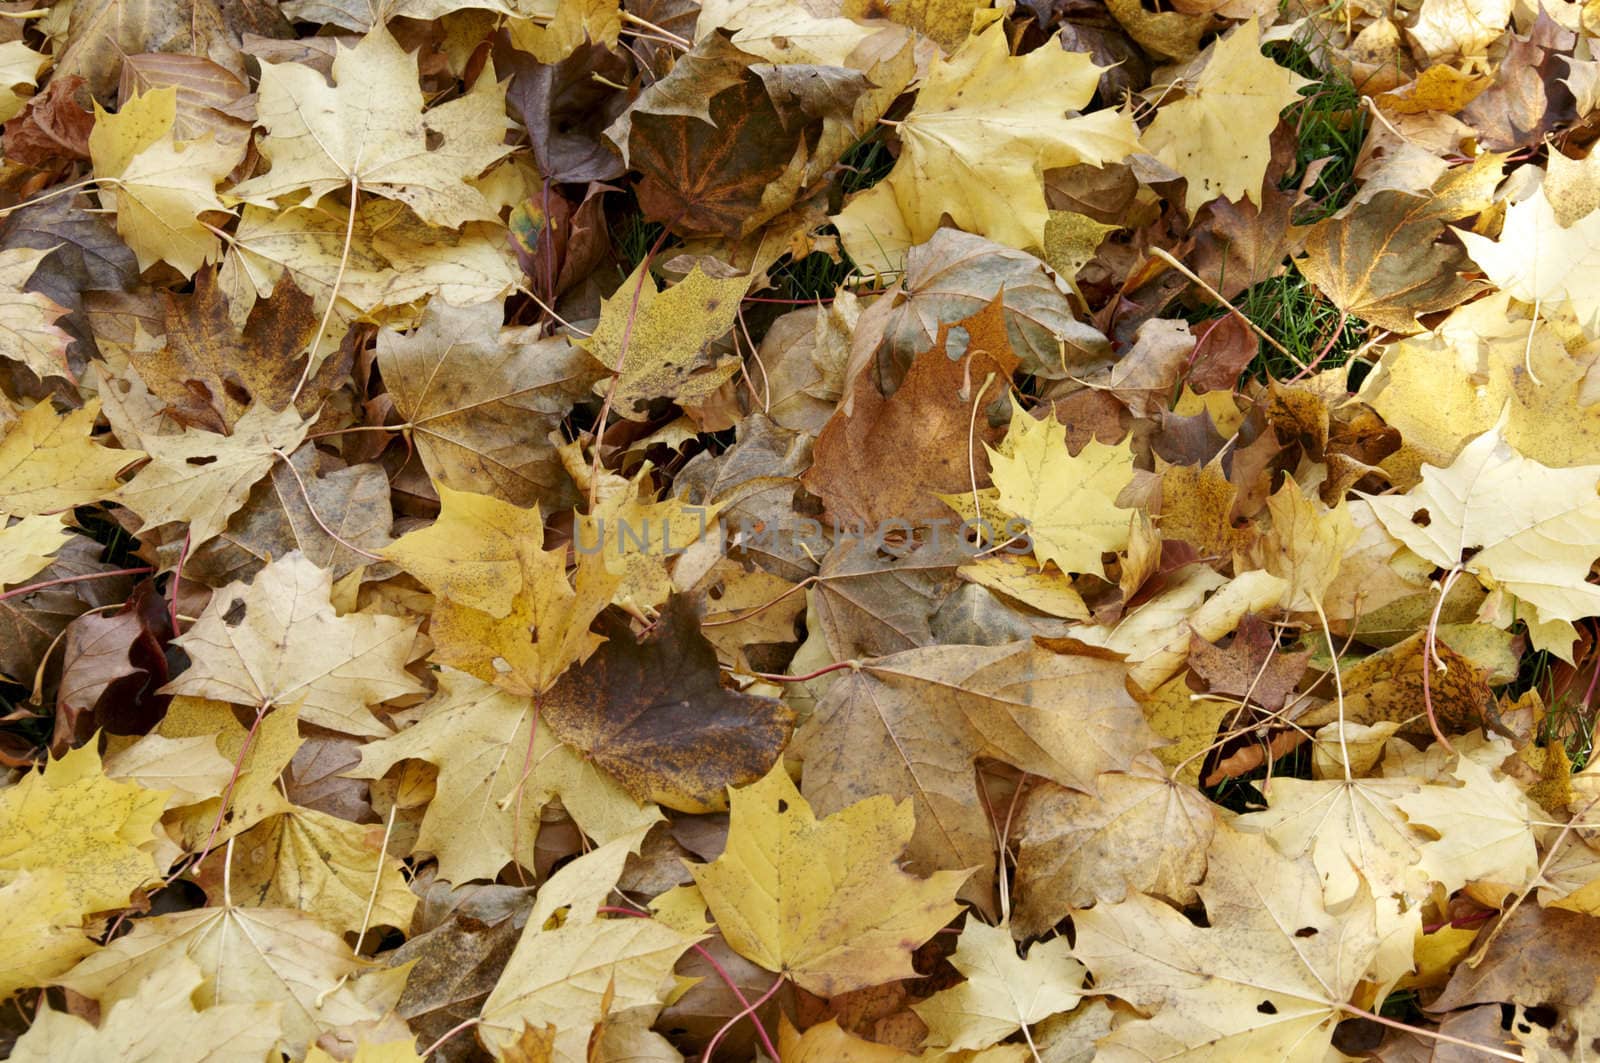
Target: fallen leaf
(1216, 135)
(495, 775)
(277, 642)
(654, 714)
(1003, 992)
(368, 132)
(158, 1021)
(822, 902)
(1280, 998)
(983, 103)
(162, 188)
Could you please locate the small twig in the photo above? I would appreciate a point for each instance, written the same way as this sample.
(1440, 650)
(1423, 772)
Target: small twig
(1396, 1024)
(457, 1028)
(722, 972)
(681, 42)
(233, 780)
(177, 578)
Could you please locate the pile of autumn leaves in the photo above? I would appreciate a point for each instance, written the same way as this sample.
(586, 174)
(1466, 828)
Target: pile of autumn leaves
(373, 757)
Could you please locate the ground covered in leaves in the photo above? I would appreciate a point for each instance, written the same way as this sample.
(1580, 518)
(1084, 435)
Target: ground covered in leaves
(842, 531)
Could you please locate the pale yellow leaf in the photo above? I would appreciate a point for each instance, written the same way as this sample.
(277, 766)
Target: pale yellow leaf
(984, 127)
(493, 781)
(369, 130)
(28, 330)
(1003, 992)
(158, 1023)
(162, 188)
(1068, 501)
(277, 642)
(202, 478)
(28, 546)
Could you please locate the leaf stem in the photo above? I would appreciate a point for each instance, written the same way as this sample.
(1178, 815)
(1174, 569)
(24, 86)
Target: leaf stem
(31, 587)
(722, 972)
(773, 677)
(749, 1009)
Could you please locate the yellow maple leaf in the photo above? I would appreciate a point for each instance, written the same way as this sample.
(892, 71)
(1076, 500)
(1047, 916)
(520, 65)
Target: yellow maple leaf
(261, 759)
(161, 188)
(1482, 827)
(1442, 389)
(985, 126)
(637, 540)
(202, 478)
(1218, 134)
(495, 777)
(823, 902)
(369, 129)
(1069, 502)
(1359, 840)
(39, 930)
(158, 1020)
(1003, 992)
(28, 330)
(72, 818)
(324, 866)
(545, 630)
(1508, 519)
(1206, 997)
(28, 546)
(265, 955)
(476, 553)
(276, 641)
(395, 259)
(1305, 546)
(667, 335)
(19, 65)
(50, 463)
(1539, 260)
(564, 27)
(574, 970)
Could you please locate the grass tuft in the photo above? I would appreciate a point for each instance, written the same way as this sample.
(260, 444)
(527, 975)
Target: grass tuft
(1291, 311)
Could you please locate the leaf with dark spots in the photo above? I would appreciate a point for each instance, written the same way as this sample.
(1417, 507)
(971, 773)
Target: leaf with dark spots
(654, 714)
(210, 371)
